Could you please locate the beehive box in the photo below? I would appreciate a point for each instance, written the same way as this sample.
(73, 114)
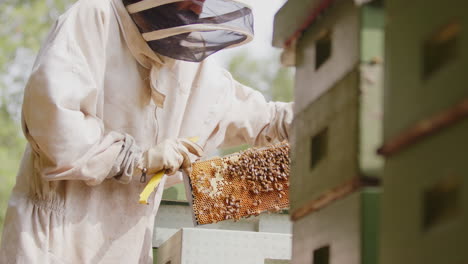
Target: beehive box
(172, 216)
(425, 203)
(326, 143)
(202, 246)
(344, 232)
(339, 90)
(240, 185)
(427, 43)
(326, 53)
(424, 209)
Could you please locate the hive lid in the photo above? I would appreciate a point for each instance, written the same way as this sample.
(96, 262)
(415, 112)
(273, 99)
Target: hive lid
(284, 25)
(294, 18)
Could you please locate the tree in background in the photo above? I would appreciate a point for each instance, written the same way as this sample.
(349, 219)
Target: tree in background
(266, 75)
(24, 26)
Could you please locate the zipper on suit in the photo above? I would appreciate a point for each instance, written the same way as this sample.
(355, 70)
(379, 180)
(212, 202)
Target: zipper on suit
(144, 171)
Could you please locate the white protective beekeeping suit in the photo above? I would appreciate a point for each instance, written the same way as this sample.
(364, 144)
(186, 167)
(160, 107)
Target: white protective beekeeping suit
(98, 98)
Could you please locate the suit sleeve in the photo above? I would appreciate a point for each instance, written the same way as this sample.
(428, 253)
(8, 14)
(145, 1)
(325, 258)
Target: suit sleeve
(62, 119)
(251, 119)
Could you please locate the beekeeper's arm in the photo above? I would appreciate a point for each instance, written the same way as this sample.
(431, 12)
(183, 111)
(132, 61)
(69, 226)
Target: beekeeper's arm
(61, 118)
(251, 119)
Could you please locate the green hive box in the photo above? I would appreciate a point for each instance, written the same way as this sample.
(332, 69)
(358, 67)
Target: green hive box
(426, 70)
(338, 95)
(343, 232)
(425, 199)
(326, 143)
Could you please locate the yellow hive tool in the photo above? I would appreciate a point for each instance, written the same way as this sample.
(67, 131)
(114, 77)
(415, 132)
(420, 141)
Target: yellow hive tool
(153, 183)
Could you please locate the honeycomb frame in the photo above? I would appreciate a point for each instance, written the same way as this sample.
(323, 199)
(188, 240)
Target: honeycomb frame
(221, 189)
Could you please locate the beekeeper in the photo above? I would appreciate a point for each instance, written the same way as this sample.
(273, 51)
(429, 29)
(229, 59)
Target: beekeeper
(115, 91)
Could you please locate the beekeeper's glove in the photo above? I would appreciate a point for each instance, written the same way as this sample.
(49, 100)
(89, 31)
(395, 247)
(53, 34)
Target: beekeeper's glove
(170, 156)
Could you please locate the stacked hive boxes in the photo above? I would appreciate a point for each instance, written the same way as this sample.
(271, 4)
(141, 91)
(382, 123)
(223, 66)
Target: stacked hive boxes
(336, 47)
(425, 203)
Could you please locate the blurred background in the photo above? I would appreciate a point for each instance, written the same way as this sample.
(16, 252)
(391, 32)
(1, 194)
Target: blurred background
(25, 24)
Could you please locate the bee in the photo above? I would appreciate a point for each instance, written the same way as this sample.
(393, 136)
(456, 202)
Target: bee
(278, 186)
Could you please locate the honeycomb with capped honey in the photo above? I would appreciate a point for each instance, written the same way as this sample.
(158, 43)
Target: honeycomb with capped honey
(241, 185)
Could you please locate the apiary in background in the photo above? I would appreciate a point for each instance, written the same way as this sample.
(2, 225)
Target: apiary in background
(326, 52)
(338, 95)
(425, 202)
(337, 50)
(422, 133)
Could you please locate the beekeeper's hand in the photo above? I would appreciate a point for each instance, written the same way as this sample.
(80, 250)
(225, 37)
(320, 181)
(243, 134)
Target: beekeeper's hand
(170, 156)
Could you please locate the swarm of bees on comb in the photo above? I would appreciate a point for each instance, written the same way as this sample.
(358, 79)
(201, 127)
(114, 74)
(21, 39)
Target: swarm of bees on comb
(241, 185)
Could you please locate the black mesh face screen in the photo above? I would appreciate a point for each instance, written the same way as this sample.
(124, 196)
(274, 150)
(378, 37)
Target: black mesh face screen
(196, 46)
(163, 17)
(215, 25)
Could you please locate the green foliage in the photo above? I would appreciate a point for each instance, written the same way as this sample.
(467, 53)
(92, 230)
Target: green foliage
(282, 85)
(24, 26)
(266, 75)
(11, 148)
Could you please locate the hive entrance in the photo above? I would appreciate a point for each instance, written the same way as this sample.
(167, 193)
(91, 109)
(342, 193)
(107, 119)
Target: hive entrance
(241, 185)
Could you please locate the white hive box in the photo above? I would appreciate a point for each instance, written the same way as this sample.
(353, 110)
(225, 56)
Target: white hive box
(202, 246)
(174, 215)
